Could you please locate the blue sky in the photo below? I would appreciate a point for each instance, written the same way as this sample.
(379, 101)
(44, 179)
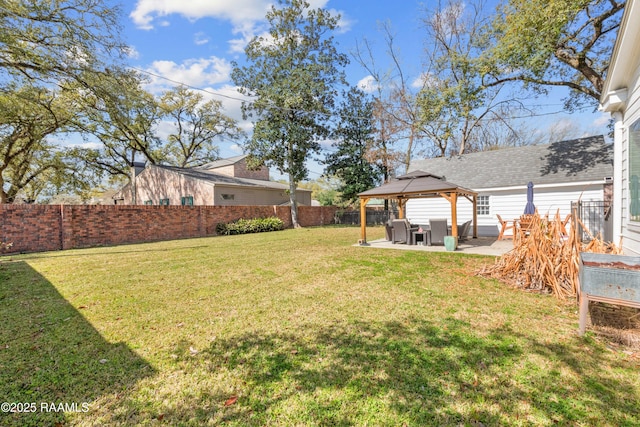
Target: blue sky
(194, 41)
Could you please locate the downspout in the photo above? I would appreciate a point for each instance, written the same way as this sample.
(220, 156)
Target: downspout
(618, 141)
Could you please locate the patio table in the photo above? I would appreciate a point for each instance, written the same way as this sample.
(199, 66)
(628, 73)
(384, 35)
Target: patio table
(425, 234)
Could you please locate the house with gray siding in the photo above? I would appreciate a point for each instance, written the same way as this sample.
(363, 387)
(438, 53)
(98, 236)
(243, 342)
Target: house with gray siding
(621, 97)
(562, 172)
(225, 182)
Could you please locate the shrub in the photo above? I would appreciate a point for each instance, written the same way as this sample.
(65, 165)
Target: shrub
(245, 226)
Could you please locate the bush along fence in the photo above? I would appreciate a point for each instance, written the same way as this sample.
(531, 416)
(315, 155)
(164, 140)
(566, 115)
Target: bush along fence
(245, 226)
(38, 228)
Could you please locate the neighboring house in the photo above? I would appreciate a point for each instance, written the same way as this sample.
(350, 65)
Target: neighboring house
(562, 172)
(224, 182)
(621, 97)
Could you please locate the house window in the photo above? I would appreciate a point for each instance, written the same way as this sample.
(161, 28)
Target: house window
(228, 197)
(148, 202)
(187, 201)
(634, 171)
(164, 202)
(482, 207)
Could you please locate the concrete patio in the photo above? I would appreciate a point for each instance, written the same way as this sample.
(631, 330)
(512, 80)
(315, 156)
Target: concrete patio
(480, 246)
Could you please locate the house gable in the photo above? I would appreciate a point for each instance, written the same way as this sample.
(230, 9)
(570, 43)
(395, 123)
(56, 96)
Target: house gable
(236, 167)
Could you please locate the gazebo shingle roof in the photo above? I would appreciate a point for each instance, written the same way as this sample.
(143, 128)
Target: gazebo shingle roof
(413, 185)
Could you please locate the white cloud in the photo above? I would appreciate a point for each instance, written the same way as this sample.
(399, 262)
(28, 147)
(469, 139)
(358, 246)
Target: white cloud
(132, 52)
(424, 80)
(200, 38)
(245, 15)
(236, 11)
(368, 84)
(345, 23)
(602, 121)
(199, 72)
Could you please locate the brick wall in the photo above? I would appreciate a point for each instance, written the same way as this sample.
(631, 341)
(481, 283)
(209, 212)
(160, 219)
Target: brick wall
(31, 228)
(316, 215)
(36, 228)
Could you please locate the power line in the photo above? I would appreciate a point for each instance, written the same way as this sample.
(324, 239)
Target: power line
(329, 115)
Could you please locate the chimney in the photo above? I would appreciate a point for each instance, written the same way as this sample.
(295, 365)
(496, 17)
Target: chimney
(136, 169)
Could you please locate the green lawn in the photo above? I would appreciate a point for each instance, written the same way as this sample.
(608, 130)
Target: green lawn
(296, 327)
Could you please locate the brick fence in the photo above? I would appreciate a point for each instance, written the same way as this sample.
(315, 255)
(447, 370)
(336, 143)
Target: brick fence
(37, 228)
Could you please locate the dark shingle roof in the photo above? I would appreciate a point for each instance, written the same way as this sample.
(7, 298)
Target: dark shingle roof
(415, 184)
(578, 160)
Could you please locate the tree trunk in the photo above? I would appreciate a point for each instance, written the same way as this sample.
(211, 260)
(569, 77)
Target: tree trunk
(293, 201)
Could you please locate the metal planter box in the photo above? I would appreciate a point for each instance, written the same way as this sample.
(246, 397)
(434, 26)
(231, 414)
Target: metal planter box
(613, 279)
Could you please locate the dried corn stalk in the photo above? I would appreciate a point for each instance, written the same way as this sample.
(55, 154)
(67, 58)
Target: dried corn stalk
(545, 258)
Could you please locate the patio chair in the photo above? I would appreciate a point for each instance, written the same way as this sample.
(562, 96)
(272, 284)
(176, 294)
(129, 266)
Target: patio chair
(525, 224)
(388, 231)
(438, 230)
(463, 231)
(401, 232)
(504, 226)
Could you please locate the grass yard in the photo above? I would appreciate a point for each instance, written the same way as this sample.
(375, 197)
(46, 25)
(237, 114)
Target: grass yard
(294, 328)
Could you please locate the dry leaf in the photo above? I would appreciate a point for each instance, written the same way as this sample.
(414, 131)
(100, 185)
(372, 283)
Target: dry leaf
(230, 401)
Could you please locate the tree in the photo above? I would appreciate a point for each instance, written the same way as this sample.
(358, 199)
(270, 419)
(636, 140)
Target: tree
(29, 162)
(455, 104)
(553, 43)
(50, 52)
(324, 190)
(57, 39)
(354, 135)
(396, 112)
(196, 125)
(117, 111)
(292, 77)
(48, 41)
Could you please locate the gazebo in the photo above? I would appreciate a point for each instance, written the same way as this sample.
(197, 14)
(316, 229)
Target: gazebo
(418, 185)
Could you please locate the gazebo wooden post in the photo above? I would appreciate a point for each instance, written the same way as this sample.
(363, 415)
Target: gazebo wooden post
(475, 216)
(401, 204)
(363, 220)
(454, 214)
(452, 198)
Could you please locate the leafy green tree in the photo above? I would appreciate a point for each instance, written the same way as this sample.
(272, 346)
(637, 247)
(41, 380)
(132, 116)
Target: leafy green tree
(50, 53)
(48, 41)
(547, 43)
(354, 136)
(29, 162)
(324, 190)
(292, 77)
(117, 111)
(196, 125)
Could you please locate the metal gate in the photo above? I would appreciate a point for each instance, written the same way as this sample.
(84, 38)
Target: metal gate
(374, 217)
(595, 215)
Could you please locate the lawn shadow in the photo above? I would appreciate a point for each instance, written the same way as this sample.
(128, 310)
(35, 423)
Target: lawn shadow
(413, 373)
(51, 357)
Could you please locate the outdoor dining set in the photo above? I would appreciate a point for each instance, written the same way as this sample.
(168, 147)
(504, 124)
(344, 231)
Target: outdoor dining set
(433, 233)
